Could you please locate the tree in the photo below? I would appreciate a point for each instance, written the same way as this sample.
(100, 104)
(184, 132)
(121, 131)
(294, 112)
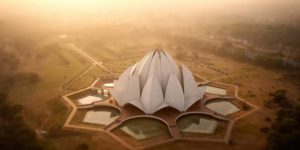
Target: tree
(15, 134)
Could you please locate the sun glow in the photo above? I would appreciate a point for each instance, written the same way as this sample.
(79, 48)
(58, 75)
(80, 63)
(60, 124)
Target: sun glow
(62, 6)
(82, 6)
(76, 4)
(125, 9)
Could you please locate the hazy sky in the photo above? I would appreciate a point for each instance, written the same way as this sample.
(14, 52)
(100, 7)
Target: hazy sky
(119, 8)
(86, 6)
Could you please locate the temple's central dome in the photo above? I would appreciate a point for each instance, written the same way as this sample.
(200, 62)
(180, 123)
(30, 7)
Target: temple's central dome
(157, 82)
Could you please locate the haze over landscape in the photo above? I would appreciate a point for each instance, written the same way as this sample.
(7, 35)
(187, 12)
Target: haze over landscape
(114, 11)
(51, 49)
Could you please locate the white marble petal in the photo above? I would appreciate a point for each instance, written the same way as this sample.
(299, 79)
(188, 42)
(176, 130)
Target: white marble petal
(120, 86)
(152, 95)
(157, 82)
(132, 91)
(174, 95)
(190, 88)
(143, 68)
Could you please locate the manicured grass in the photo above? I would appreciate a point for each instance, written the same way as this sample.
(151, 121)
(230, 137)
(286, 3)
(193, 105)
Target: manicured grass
(88, 78)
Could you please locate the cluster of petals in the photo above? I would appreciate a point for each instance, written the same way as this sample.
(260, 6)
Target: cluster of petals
(157, 82)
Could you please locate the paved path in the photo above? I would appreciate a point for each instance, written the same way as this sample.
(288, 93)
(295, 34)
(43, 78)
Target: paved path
(77, 77)
(90, 58)
(93, 61)
(74, 107)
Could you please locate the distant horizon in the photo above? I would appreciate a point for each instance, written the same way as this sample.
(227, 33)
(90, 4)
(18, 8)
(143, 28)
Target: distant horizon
(133, 10)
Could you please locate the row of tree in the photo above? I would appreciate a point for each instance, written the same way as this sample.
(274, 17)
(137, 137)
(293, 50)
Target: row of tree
(284, 133)
(264, 35)
(228, 50)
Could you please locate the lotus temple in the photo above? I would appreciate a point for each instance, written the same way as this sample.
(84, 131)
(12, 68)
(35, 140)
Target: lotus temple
(157, 101)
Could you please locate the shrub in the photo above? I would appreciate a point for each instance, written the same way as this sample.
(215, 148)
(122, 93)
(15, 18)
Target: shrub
(265, 129)
(82, 146)
(268, 119)
(246, 107)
